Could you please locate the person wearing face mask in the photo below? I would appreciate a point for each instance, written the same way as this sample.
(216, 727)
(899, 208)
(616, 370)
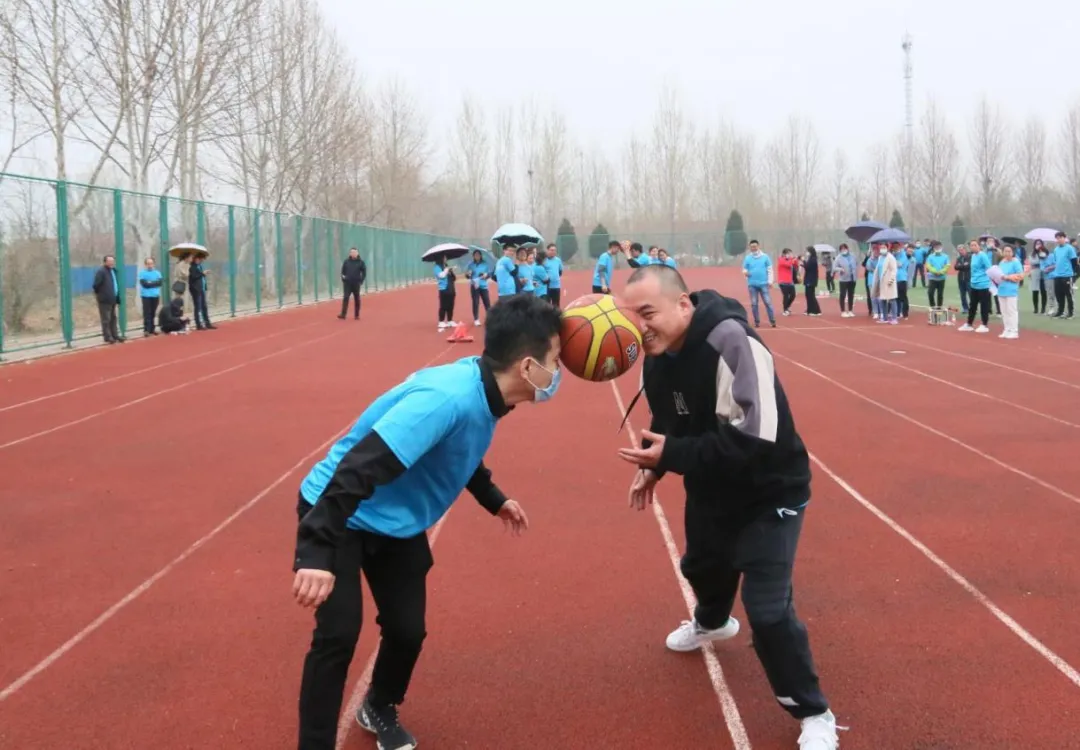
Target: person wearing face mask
(757, 268)
(846, 272)
(721, 420)
(1038, 287)
(366, 507)
(937, 265)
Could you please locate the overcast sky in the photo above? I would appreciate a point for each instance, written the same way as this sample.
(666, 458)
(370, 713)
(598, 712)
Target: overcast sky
(838, 62)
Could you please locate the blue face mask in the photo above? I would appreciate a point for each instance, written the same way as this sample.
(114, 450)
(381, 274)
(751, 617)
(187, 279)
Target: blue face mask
(544, 394)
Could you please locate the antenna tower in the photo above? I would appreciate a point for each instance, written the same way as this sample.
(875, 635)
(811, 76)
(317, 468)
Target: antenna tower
(909, 107)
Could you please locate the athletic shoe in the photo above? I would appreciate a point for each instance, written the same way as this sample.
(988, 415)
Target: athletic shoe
(382, 721)
(965, 327)
(982, 329)
(819, 733)
(689, 635)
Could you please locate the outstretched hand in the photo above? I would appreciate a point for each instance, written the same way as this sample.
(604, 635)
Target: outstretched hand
(312, 587)
(645, 458)
(514, 518)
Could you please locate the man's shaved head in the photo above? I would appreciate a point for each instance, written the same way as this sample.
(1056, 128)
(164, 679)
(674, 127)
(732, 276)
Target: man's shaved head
(671, 281)
(661, 300)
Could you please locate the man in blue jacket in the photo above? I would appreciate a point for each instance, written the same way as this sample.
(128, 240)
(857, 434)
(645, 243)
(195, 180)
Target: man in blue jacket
(368, 505)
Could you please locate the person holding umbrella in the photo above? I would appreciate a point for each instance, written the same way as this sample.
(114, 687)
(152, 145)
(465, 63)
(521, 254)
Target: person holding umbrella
(440, 255)
(191, 276)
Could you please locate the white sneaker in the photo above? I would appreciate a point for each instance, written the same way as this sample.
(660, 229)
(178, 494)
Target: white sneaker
(476, 322)
(819, 733)
(965, 327)
(689, 635)
(982, 329)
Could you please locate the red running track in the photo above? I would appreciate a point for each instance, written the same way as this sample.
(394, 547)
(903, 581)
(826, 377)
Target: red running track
(147, 520)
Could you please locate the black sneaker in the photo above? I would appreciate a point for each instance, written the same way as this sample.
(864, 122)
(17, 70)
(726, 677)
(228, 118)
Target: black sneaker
(382, 721)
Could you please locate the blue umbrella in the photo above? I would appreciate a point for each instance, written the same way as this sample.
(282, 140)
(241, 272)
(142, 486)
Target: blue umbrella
(516, 234)
(890, 235)
(864, 230)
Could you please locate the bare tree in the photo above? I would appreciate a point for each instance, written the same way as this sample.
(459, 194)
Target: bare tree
(47, 53)
(937, 174)
(879, 183)
(19, 135)
(553, 170)
(988, 137)
(841, 188)
(503, 166)
(1031, 168)
(802, 152)
(1069, 161)
(400, 153)
(672, 141)
(470, 160)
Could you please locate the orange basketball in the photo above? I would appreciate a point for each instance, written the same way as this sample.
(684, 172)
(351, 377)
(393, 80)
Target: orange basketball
(600, 340)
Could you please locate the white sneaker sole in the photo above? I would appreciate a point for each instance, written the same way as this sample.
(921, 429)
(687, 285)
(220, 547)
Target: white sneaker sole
(730, 630)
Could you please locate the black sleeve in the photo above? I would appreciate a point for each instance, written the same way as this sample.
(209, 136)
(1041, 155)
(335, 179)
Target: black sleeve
(484, 490)
(363, 272)
(369, 464)
(633, 263)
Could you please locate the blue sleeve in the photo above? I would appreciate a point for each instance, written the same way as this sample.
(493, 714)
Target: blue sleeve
(416, 424)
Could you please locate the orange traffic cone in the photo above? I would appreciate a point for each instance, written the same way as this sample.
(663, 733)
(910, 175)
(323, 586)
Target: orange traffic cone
(460, 335)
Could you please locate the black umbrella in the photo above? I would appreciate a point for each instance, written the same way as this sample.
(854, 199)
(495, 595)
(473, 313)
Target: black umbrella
(864, 230)
(448, 250)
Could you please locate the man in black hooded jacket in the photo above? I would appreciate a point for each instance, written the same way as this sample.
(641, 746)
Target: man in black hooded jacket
(353, 275)
(720, 418)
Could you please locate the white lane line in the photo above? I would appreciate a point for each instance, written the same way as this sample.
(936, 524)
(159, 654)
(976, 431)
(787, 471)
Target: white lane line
(347, 719)
(142, 588)
(998, 462)
(170, 363)
(928, 376)
(732, 718)
(1017, 629)
(992, 363)
(155, 394)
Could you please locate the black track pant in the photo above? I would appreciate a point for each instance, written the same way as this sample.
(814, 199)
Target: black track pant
(847, 296)
(936, 292)
(446, 305)
(979, 301)
(478, 296)
(396, 572)
(762, 554)
(350, 289)
(1064, 295)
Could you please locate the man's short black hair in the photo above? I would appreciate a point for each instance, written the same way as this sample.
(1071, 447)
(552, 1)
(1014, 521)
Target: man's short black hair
(754, 242)
(668, 276)
(636, 246)
(519, 326)
(614, 243)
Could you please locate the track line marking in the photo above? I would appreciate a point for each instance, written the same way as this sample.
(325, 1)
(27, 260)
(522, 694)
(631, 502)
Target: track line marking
(114, 378)
(928, 376)
(1019, 472)
(1017, 629)
(143, 587)
(730, 710)
(162, 392)
(966, 356)
(347, 720)
(1026, 349)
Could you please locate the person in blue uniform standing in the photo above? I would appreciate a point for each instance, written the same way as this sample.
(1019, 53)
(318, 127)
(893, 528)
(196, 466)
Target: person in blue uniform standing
(554, 265)
(478, 274)
(605, 265)
(368, 504)
(506, 273)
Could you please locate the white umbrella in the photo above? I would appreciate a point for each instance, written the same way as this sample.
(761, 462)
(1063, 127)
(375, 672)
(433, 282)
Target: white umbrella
(447, 250)
(825, 249)
(181, 249)
(1042, 233)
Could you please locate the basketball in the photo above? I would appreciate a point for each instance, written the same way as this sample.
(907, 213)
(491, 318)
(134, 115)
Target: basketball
(600, 340)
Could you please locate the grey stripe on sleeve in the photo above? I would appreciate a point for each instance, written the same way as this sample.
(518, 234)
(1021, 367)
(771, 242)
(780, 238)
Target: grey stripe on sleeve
(745, 382)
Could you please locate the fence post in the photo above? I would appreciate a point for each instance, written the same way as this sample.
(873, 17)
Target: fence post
(232, 261)
(62, 240)
(298, 243)
(200, 223)
(280, 275)
(258, 262)
(330, 259)
(118, 253)
(2, 253)
(163, 235)
(315, 256)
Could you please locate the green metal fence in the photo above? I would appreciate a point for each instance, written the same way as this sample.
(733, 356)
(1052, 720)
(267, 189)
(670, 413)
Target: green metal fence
(53, 236)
